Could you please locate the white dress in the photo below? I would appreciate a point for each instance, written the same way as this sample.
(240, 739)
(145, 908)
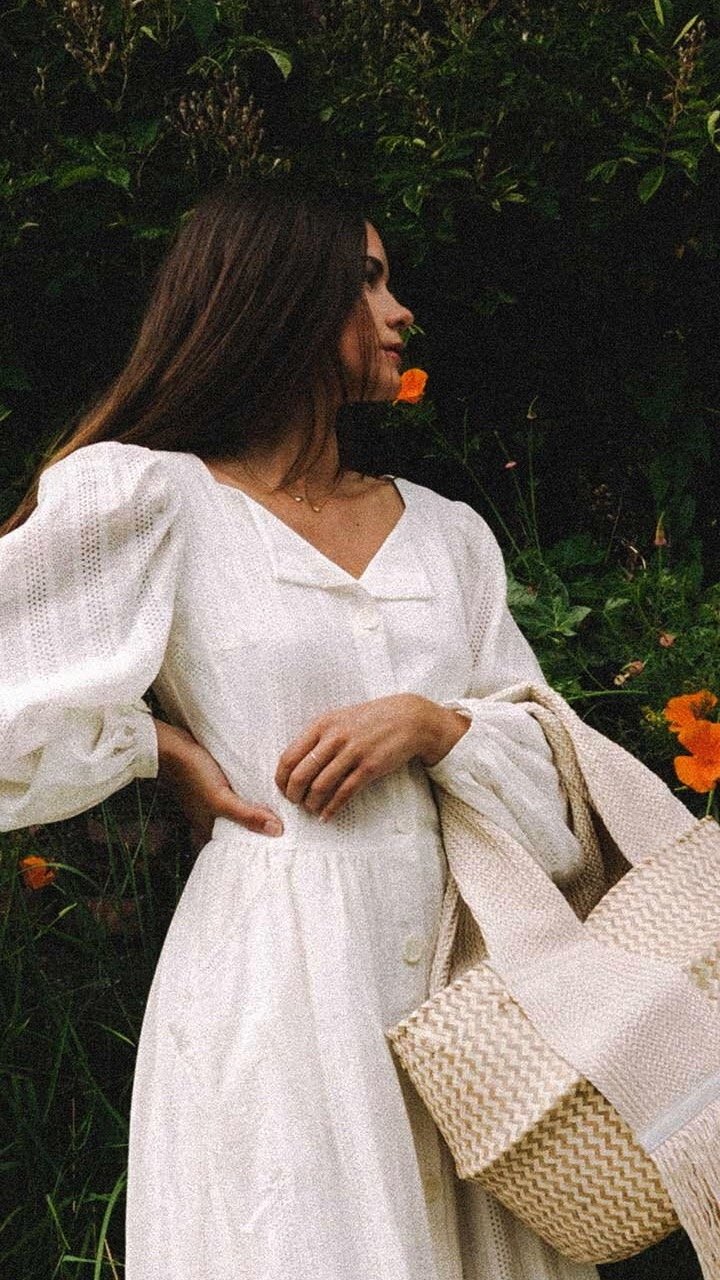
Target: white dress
(271, 1134)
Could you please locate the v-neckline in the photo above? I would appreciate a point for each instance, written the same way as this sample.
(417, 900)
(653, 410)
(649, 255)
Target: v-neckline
(298, 537)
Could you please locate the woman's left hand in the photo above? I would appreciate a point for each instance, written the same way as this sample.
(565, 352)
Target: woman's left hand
(345, 750)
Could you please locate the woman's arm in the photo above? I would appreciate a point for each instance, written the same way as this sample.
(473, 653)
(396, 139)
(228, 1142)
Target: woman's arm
(503, 765)
(87, 588)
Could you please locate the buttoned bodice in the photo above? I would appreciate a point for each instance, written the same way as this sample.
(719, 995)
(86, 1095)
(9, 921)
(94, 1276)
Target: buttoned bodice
(279, 633)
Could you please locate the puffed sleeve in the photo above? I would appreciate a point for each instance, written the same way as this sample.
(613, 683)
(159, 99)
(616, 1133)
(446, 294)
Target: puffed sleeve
(503, 765)
(87, 588)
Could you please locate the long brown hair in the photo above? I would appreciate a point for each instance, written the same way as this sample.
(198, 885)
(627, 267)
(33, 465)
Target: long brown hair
(241, 329)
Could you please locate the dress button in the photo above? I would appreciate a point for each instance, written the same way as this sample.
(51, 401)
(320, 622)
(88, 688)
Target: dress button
(413, 950)
(403, 826)
(369, 619)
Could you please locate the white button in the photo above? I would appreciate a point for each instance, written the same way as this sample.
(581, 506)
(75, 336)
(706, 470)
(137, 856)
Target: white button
(366, 615)
(368, 619)
(413, 950)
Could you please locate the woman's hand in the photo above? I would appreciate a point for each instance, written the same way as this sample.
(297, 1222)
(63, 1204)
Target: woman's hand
(345, 750)
(202, 789)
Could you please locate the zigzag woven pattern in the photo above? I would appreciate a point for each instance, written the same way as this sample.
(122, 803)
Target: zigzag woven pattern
(586, 1153)
(522, 1122)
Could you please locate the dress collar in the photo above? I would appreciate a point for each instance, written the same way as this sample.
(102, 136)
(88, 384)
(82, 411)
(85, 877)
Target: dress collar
(394, 573)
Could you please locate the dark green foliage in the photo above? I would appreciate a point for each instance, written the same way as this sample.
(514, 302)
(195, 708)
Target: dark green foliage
(545, 176)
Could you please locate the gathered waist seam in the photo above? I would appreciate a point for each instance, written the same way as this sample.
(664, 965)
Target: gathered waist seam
(225, 831)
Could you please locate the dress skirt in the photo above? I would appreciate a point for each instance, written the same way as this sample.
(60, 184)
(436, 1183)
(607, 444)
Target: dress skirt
(272, 1136)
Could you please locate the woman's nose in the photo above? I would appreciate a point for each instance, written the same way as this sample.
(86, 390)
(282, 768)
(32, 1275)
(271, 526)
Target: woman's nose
(402, 317)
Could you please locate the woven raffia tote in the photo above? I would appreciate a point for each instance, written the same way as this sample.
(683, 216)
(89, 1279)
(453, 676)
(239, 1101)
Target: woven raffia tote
(516, 1115)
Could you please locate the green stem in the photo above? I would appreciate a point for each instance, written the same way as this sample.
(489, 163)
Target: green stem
(461, 456)
(532, 487)
(710, 799)
(605, 693)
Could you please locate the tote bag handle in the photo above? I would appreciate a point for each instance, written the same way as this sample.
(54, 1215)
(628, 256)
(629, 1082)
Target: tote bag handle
(636, 1026)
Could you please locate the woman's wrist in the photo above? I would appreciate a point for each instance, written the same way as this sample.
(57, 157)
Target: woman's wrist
(439, 729)
(174, 747)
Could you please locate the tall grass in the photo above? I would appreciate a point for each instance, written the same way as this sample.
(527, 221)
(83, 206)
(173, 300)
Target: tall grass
(78, 959)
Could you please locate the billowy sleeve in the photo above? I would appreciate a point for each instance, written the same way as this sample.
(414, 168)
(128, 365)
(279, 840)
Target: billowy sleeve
(503, 766)
(87, 589)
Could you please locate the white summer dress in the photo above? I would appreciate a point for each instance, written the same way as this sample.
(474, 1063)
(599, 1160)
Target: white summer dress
(271, 1135)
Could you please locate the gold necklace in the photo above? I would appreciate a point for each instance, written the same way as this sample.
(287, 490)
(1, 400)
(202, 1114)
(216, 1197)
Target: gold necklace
(297, 497)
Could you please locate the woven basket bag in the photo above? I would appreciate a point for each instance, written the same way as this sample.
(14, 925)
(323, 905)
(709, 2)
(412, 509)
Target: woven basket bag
(517, 1117)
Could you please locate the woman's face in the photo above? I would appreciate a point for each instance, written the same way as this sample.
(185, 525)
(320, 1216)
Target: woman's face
(389, 318)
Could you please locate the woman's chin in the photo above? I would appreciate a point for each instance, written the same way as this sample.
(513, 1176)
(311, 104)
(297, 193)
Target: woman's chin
(385, 388)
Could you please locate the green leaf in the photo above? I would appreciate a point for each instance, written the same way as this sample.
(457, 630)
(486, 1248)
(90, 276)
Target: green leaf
(282, 60)
(149, 233)
(119, 176)
(650, 182)
(142, 133)
(568, 623)
(203, 16)
(651, 55)
(391, 141)
(579, 550)
(280, 57)
(413, 200)
(67, 176)
(685, 29)
(606, 170)
(660, 12)
(712, 124)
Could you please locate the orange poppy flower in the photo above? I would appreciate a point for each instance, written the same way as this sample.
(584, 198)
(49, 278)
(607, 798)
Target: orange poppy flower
(412, 386)
(36, 872)
(701, 770)
(685, 711)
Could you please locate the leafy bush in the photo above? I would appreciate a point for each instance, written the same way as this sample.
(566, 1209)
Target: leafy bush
(548, 173)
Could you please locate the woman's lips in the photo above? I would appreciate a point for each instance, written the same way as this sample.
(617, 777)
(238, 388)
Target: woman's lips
(394, 355)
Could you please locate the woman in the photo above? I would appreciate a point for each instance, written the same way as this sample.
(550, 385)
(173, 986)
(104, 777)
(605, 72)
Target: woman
(320, 642)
